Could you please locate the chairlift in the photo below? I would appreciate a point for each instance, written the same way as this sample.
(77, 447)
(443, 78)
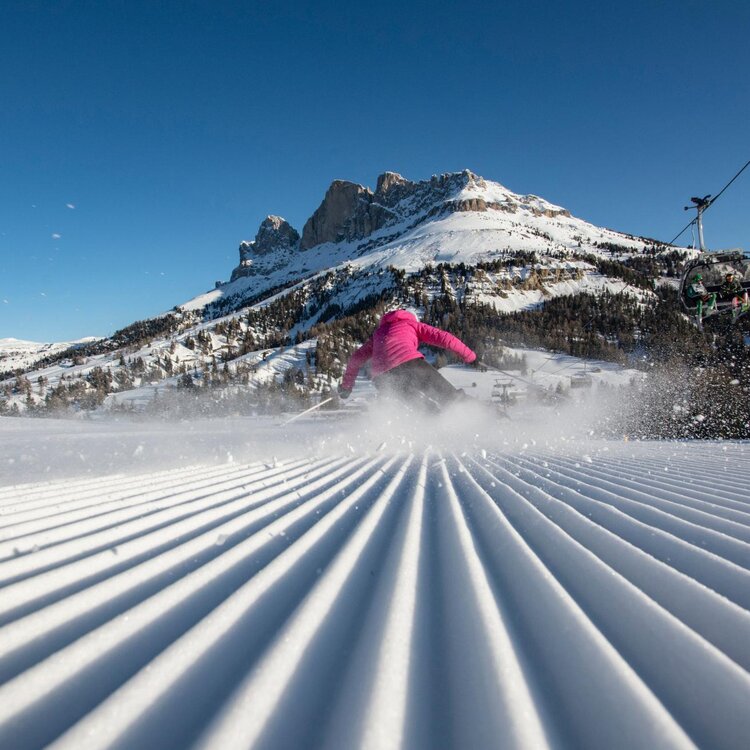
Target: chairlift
(716, 283)
(581, 380)
(501, 392)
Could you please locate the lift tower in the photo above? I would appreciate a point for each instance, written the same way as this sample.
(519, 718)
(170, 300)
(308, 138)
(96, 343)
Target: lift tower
(701, 204)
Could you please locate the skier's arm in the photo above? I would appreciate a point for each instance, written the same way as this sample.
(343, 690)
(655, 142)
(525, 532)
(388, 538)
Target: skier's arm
(355, 363)
(435, 337)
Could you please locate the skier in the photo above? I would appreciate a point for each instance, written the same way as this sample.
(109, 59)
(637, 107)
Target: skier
(398, 369)
(732, 289)
(731, 286)
(698, 292)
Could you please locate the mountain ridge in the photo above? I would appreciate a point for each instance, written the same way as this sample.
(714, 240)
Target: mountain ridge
(456, 217)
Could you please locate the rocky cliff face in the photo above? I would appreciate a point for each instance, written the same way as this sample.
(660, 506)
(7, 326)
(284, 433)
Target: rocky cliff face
(348, 212)
(352, 212)
(274, 233)
(392, 188)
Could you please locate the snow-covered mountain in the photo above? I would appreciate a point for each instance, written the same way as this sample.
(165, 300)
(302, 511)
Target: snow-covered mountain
(452, 218)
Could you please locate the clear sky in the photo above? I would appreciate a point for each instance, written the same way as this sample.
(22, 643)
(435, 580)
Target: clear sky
(142, 140)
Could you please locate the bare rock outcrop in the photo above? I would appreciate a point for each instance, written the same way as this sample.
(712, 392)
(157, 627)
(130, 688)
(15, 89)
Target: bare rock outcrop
(392, 188)
(353, 212)
(348, 212)
(274, 233)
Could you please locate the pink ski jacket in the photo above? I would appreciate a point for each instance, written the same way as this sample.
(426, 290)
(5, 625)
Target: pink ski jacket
(395, 341)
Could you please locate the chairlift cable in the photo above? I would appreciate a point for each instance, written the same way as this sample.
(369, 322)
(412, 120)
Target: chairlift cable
(716, 197)
(687, 226)
(711, 202)
(566, 367)
(507, 374)
(546, 362)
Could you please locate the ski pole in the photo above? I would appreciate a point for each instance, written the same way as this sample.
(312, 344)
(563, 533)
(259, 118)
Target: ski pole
(306, 411)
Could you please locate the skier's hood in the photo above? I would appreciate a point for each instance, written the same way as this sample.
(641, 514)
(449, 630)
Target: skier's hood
(394, 315)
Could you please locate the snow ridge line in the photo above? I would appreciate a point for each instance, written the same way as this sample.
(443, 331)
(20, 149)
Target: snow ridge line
(713, 616)
(221, 648)
(695, 504)
(34, 491)
(647, 459)
(48, 553)
(309, 637)
(104, 506)
(665, 544)
(68, 499)
(517, 715)
(147, 510)
(79, 573)
(666, 515)
(620, 612)
(119, 645)
(731, 493)
(373, 709)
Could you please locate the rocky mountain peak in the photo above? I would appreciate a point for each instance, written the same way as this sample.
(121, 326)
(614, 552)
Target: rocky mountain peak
(347, 211)
(351, 211)
(275, 233)
(392, 188)
(387, 180)
(445, 183)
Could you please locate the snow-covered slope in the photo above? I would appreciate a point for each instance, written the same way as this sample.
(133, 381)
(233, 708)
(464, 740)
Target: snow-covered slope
(355, 591)
(16, 354)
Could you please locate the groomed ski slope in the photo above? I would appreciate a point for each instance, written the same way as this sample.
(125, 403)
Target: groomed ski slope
(568, 595)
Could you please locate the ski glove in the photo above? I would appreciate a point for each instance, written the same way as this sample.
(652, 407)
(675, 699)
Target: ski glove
(344, 392)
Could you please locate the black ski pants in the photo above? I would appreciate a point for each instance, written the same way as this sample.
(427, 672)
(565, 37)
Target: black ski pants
(418, 384)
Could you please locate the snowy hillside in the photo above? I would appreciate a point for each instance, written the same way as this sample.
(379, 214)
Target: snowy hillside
(19, 355)
(371, 584)
(247, 340)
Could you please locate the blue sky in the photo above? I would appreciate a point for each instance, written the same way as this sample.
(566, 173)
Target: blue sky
(141, 141)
